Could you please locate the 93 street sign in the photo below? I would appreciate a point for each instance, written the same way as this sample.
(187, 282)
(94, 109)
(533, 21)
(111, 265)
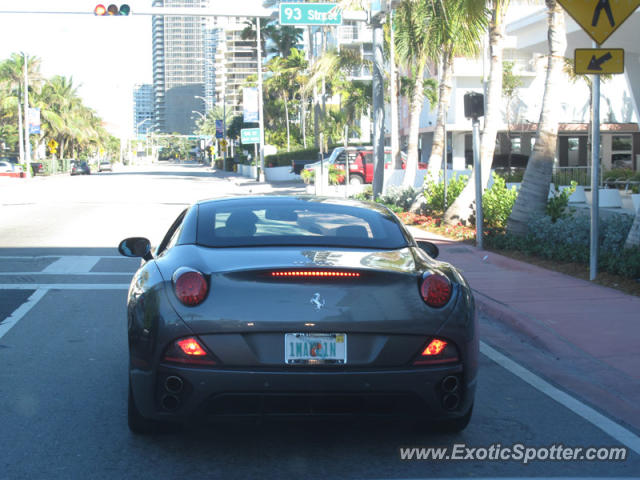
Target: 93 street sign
(250, 135)
(594, 61)
(599, 18)
(310, 14)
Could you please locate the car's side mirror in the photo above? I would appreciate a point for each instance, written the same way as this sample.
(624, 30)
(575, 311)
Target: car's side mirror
(135, 247)
(430, 248)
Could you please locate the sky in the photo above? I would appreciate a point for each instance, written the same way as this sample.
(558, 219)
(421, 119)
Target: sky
(105, 56)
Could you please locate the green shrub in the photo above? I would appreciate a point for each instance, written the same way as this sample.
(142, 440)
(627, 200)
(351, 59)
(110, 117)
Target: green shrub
(497, 203)
(365, 195)
(434, 192)
(308, 176)
(622, 173)
(568, 240)
(559, 201)
(401, 197)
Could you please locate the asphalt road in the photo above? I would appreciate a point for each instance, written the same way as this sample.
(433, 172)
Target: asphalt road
(63, 362)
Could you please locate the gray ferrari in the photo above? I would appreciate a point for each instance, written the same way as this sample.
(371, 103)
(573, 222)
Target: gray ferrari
(297, 306)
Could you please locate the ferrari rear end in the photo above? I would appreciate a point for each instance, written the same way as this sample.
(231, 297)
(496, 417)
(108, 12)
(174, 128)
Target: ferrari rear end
(284, 330)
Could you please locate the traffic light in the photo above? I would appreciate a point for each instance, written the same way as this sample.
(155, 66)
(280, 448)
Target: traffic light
(112, 10)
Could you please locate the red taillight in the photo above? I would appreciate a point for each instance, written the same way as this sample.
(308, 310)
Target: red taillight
(435, 347)
(437, 351)
(190, 346)
(190, 286)
(313, 273)
(189, 351)
(436, 290)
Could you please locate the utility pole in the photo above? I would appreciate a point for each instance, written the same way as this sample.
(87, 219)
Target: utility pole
(260, 106)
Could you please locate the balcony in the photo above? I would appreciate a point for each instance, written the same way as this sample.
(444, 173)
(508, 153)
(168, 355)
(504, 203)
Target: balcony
(352, 34)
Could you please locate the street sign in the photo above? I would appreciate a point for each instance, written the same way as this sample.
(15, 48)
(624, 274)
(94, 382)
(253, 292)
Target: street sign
(310, 14)
(250, 135)
(595, 61)
(599, 18)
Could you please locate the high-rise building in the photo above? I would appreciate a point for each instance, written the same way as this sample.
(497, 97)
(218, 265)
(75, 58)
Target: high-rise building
(230, 60)
(143, 114)
(178, 68)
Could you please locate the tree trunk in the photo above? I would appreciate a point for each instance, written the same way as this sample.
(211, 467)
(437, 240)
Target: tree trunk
(303, 121)
(462, 208)
(532, 198)
(633, 240)
(417, 100)
(435, 159)
(286, 117)
(393, 86)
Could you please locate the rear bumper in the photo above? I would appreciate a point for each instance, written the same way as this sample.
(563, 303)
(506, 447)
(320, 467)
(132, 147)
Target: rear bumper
(413, 393)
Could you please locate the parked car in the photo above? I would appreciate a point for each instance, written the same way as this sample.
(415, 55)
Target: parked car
(361, 167)
(37, 167)
(105, 166)
(80, 168)
(338, 154)
(10, 167)
(278, 305)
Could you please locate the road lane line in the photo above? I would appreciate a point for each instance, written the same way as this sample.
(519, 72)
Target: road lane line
(64, 286)
(21, 311)
(621, 434)
(72, 264)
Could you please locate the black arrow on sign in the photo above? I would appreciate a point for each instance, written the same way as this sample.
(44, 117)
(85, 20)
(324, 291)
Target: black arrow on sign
(596, 64)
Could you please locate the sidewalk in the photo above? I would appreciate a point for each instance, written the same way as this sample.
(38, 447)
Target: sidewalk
(583, 337)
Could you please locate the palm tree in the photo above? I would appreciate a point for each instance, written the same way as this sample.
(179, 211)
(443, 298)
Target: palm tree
(456, 30)
(411, 23)
(12, 79)
(532, 198)
(284, 40)
(461, 209)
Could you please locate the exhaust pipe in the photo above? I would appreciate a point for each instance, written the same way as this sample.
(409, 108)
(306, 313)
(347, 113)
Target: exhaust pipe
(450, 384)
(451, 401)
(170, 402)
(173, 384)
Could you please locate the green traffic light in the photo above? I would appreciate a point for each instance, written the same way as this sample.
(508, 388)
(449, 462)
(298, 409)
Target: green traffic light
(125, 9)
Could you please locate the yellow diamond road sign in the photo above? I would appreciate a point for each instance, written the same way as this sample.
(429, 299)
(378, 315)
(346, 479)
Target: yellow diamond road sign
(599, 18)
(599, 60)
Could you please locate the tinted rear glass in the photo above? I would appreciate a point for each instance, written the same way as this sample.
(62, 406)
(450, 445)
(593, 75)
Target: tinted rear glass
(269, 222)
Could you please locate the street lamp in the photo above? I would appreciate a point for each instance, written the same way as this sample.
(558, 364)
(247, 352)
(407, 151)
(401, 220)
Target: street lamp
(141, 122)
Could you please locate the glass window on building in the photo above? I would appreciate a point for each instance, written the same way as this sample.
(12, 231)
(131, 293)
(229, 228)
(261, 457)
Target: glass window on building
(621, 151)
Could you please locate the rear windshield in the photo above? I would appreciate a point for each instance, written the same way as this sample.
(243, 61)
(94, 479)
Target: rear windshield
(295, 222)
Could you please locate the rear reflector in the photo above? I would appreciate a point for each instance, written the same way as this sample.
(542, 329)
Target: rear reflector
(435, 290)
(188, 351)
(313, 273)
(190, 286)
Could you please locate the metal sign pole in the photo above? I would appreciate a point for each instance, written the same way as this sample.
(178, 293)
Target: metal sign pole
(478, 180)
(346, 161)
(595, 182)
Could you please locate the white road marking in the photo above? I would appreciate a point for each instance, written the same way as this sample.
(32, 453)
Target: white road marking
(64, 286)
(21, 311)
(621, 434)
(72, 264)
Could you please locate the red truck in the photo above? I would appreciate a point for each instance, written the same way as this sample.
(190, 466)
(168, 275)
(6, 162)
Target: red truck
(361, 167)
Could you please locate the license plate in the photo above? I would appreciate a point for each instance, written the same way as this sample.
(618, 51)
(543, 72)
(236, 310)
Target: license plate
(315, 348)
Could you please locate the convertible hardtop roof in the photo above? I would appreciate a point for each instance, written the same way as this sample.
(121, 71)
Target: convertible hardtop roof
(275, 199)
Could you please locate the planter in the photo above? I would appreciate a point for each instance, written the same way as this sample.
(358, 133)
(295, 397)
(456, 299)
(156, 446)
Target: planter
(608, 198)
(280, 174)
(577, 196)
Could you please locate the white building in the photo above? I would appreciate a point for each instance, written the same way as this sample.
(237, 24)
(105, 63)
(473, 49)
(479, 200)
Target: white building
(526, 46)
